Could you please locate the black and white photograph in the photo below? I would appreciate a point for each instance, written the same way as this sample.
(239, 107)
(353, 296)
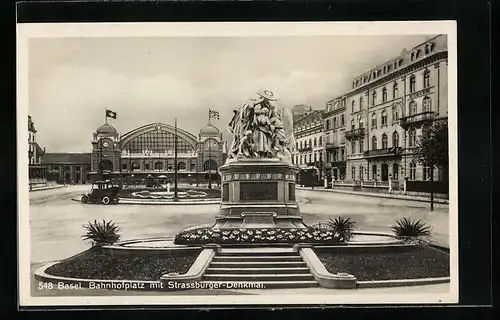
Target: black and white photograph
(237, 163)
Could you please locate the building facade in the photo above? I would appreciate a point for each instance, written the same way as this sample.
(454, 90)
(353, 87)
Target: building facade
(34, 151)
(309, 145)
(67, 168)
(334, 128)
(147, 153)
(387, 109)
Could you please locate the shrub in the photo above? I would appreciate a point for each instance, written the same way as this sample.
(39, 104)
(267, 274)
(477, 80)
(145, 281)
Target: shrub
(258, 235)
(342, 226)
(101, 233)
(408, 229)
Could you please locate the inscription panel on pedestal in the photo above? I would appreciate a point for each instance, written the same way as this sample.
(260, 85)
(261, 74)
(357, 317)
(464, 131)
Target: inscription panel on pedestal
(258, 191)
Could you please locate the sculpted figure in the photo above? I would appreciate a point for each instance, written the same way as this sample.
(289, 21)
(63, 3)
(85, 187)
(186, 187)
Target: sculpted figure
(261, 130)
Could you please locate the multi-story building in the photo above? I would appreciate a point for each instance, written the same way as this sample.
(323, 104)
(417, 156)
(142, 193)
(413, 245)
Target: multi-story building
(37, 173)
(334, 129)
(387, 109)
(308, 151)
(34, 151)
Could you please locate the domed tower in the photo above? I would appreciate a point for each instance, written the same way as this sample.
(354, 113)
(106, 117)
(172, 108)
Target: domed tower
(105, 151)
(210, 155)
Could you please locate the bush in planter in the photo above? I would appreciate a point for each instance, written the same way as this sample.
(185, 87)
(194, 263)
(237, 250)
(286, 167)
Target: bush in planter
(407, 229)
(207, 235)
(100, 234)
(342, 226)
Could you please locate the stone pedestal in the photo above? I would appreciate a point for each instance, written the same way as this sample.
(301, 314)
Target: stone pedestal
(258, 193)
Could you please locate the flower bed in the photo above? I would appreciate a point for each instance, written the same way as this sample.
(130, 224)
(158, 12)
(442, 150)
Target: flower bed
(207, 235)
(163, 193)
(385, 264)
(101, 264)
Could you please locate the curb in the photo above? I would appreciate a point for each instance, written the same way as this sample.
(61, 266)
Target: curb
(401, 282)
(46, 188)
(378, 195)
(135, 202)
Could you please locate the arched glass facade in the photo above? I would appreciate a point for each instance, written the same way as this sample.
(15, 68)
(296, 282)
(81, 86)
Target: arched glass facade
(157, 141)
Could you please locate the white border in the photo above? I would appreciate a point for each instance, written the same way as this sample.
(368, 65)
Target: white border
(50, 30)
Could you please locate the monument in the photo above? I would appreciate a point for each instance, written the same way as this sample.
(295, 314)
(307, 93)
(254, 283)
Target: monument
(258, 178)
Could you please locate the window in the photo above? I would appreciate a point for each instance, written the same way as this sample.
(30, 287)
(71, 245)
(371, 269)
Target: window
(374, 120)
(353, 147)
(361, 173)
(374, 98)
(327, 124)
(342, 122)
(361, 145)
(310, 158)
(315, 157)
(426, 173)
(296, 145)
(395, 139)
(384, 141)
(384, 94)
(395, 93)
(426, 104)
(353, 173)
(412, 83)
(412, 137)
(413, 170)
(361, 102)
(395, 113)
(374, 143)
(384, 118)
(320, 141)
(159, 165)
(335, 122)
(147, 166)
(352, 124)
(395, 172)
(427, 79)
(342, 154)
(181, 166)
(315, 142)
(413, 108)
(374, 172)
(296, 160)
(353, 105)
(310, 143)
(361, 122)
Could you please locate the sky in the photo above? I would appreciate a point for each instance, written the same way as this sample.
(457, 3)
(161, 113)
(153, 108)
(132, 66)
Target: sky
(73, 80)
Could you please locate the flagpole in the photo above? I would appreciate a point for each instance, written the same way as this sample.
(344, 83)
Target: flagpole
(106, 116)
(175, 160)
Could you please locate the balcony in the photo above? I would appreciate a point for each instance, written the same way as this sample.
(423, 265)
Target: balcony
(416, 119)
(355, 133)
(387, 152)
(305, 149)
(330, 145)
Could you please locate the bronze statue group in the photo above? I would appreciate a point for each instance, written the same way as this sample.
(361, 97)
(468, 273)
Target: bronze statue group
(261, 129)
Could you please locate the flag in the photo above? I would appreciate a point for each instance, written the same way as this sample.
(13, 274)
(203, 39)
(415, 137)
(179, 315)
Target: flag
(110, 114)
(212, 114)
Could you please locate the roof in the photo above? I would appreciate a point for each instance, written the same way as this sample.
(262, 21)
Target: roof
(106, 129)
(66, 158)
(39, 150)
(209, 129)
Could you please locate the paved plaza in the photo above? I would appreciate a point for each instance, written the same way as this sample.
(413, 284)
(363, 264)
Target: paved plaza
(56, 220)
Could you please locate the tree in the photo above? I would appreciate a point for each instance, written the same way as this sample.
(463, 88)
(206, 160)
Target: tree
(432, 150)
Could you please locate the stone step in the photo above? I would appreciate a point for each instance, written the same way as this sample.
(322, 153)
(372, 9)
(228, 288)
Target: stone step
(257, 264)
(227, 258)
(267, 284)
(259, 277)
(256, 270)
(260, 253)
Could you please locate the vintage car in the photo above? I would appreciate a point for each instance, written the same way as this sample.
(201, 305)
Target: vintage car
(102, 192)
